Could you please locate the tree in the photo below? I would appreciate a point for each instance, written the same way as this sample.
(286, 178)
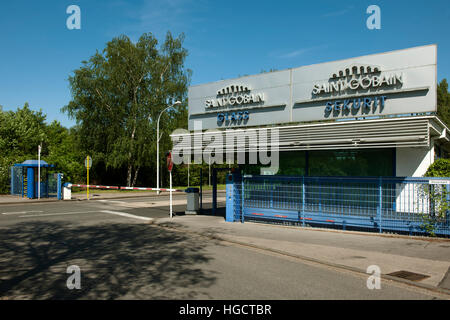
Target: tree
(62, 149)
(439, 168)
(118, 94)
(443, 102)
(21, 132)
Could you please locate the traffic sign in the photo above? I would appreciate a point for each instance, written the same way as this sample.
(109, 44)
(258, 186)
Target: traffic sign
(169, 161)
(88, 162)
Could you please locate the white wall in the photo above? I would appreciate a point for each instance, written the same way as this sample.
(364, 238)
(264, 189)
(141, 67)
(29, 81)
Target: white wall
(413, 162)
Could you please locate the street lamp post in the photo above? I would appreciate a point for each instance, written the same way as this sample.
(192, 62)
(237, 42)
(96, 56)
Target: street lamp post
(157, 144)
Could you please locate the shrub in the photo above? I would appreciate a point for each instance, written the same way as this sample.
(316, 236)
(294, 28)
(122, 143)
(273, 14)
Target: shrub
(440, 168)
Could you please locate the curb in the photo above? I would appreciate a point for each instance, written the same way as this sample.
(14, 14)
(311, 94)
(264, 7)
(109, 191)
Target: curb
(309, 259)
(361, 233)
(30, 201)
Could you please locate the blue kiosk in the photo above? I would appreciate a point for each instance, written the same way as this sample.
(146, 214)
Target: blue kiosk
(24, 180)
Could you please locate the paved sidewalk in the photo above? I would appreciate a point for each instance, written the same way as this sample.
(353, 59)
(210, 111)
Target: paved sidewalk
(350, 250)
(9, 199)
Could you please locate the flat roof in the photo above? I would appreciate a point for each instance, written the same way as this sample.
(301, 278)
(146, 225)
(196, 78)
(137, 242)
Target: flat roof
(34, 163)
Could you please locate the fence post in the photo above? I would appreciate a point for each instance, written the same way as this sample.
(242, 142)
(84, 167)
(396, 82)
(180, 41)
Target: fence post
(58, 186)
(320, 196)
(214, 191)
(12, 180)
(23, 182)
(303, 201)
(272, 186)
(447, 214)
(230, 215)
(242, 198)
(380, 203)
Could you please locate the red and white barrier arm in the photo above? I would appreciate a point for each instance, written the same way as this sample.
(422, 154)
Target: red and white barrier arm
(91, 186)
(150, 189)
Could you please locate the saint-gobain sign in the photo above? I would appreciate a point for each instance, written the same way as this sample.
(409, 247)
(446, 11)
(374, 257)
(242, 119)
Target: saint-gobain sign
(234, 95)
(349, 81)
(396, 82)
(358, 77)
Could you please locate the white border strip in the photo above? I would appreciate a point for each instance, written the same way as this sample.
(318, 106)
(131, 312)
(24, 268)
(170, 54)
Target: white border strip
(123, 214)
(55, 214)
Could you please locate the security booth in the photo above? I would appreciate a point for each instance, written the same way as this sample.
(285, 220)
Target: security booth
(24, 180)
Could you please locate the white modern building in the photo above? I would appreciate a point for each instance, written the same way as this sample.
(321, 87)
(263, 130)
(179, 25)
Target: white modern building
(373, 115)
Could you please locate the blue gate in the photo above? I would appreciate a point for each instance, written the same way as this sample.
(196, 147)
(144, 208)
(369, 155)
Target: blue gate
(398, 204)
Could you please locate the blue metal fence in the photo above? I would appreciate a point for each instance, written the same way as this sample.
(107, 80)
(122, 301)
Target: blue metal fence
(412, 205)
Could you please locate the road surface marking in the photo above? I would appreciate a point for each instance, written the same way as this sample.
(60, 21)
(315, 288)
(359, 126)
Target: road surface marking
(114, 201)
(20, 212)
(127, 215)
(55, 214)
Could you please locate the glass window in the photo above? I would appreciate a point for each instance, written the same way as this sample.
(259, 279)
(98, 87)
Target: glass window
(356, 163)
(292, 163)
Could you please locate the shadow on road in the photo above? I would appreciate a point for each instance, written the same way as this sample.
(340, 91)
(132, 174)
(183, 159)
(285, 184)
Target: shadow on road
(132, 261)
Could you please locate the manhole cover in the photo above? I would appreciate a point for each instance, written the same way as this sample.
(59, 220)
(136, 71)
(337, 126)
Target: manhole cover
(408, 275)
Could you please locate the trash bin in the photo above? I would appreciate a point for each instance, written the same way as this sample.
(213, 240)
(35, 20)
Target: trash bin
(192, 205)
(67, 192)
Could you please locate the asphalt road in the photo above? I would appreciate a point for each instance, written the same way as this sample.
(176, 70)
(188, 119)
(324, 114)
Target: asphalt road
(124, 257)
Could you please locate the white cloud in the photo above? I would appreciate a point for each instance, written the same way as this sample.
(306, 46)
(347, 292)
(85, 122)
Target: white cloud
(159, 16)
(338, 13)
(299, 52)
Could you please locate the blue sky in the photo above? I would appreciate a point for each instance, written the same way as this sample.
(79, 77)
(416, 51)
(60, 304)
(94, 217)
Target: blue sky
(225, 39)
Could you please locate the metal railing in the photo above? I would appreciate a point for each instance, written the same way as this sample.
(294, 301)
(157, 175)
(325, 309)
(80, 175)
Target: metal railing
(411, 205)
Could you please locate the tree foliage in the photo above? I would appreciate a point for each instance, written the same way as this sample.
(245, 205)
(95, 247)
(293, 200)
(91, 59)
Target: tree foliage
(443, 102)
(439, 168)
(21, 132)
(118, 94)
